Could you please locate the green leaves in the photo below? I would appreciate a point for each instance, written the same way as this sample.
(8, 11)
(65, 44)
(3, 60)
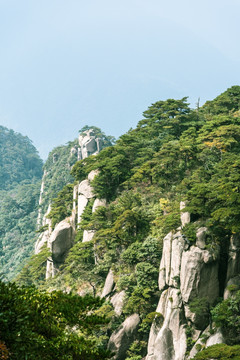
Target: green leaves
(62, 205)
(227, 316)
(49, 325)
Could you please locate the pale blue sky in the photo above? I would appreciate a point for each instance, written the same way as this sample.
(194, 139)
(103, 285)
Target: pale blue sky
(68, 63)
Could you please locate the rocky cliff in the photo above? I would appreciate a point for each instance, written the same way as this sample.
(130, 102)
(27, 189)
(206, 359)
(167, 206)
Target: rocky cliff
(122, 231)
(60, 239)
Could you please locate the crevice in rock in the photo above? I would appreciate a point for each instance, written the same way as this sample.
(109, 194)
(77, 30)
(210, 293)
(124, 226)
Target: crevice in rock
(223, 263)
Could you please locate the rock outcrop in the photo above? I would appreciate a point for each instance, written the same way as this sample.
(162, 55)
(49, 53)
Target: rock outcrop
(187, 272)
(44, 236)
(109, 283)
(60, 241)
(121, 339)
(89, 144)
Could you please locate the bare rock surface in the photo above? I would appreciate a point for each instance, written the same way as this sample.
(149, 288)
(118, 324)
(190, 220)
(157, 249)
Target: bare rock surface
(88, 235)
(82, 203)
(109, 283)
(170, 265)
(185, 216)
(199, 275)
(61, 240)
(97, 203)
(168, 342)
(201, 238)
(92, 174)
(84, 188)
(121, 339)
(41, 241)
(216, 338)
(234, 257)
(118, 301)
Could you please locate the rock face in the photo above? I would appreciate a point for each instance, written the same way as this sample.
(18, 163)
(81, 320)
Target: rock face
(109, 283)
(168, 341)
(117, 302)
(185, 216)
(88, 235)
(89, 144)
(43, 238)
(234, 257)
(186, 273)
(60, 242)
(85, 189)
(121, 339)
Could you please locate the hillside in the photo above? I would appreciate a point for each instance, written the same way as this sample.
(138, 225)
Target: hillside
(20, 175)
(152, 225)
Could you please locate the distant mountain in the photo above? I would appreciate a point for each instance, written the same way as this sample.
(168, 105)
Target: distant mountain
(20, 175)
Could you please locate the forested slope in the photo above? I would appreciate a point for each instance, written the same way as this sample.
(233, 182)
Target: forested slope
(175, 156)
(20, 175)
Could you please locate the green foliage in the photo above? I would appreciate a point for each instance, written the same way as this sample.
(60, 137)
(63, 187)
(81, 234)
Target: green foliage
(227, 102)
(136, 350)
(219, 351)
(227, 316)
(57, 172)
(40, 325)
(62, 205)
(34, 272)
(79, 269)
(19, 159)
(201, 308)
(20, 173)
(189, 232)
(106, 139)
(174, 154)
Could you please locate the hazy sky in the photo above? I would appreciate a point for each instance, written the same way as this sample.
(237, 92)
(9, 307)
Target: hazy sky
(69, 63)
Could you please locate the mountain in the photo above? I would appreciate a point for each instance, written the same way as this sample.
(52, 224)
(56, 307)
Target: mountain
(151, 224)
(20, 176)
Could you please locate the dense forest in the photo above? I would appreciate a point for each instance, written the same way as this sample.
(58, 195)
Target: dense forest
(175, 154)
(20, 176)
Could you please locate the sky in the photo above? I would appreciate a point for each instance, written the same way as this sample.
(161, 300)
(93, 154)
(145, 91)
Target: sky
(65, 64)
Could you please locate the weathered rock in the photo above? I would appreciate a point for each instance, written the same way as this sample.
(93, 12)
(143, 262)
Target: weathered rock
(97, 203)
(185, 216)
(165, 265)
(49, 269)
(74, 150)
(201, 238)
(168, 342)
(199, 275)
(41, 241)
(109, 283)
(169, 273)
(82, 203)
(61, 240)
(44, 237)
(92, 174)
(75, 196)
(88, 235)
(89, 144)
(118, 301)
(122, 338)
(216, 338)
(176, 256)
(85, 189)
(234, 257)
